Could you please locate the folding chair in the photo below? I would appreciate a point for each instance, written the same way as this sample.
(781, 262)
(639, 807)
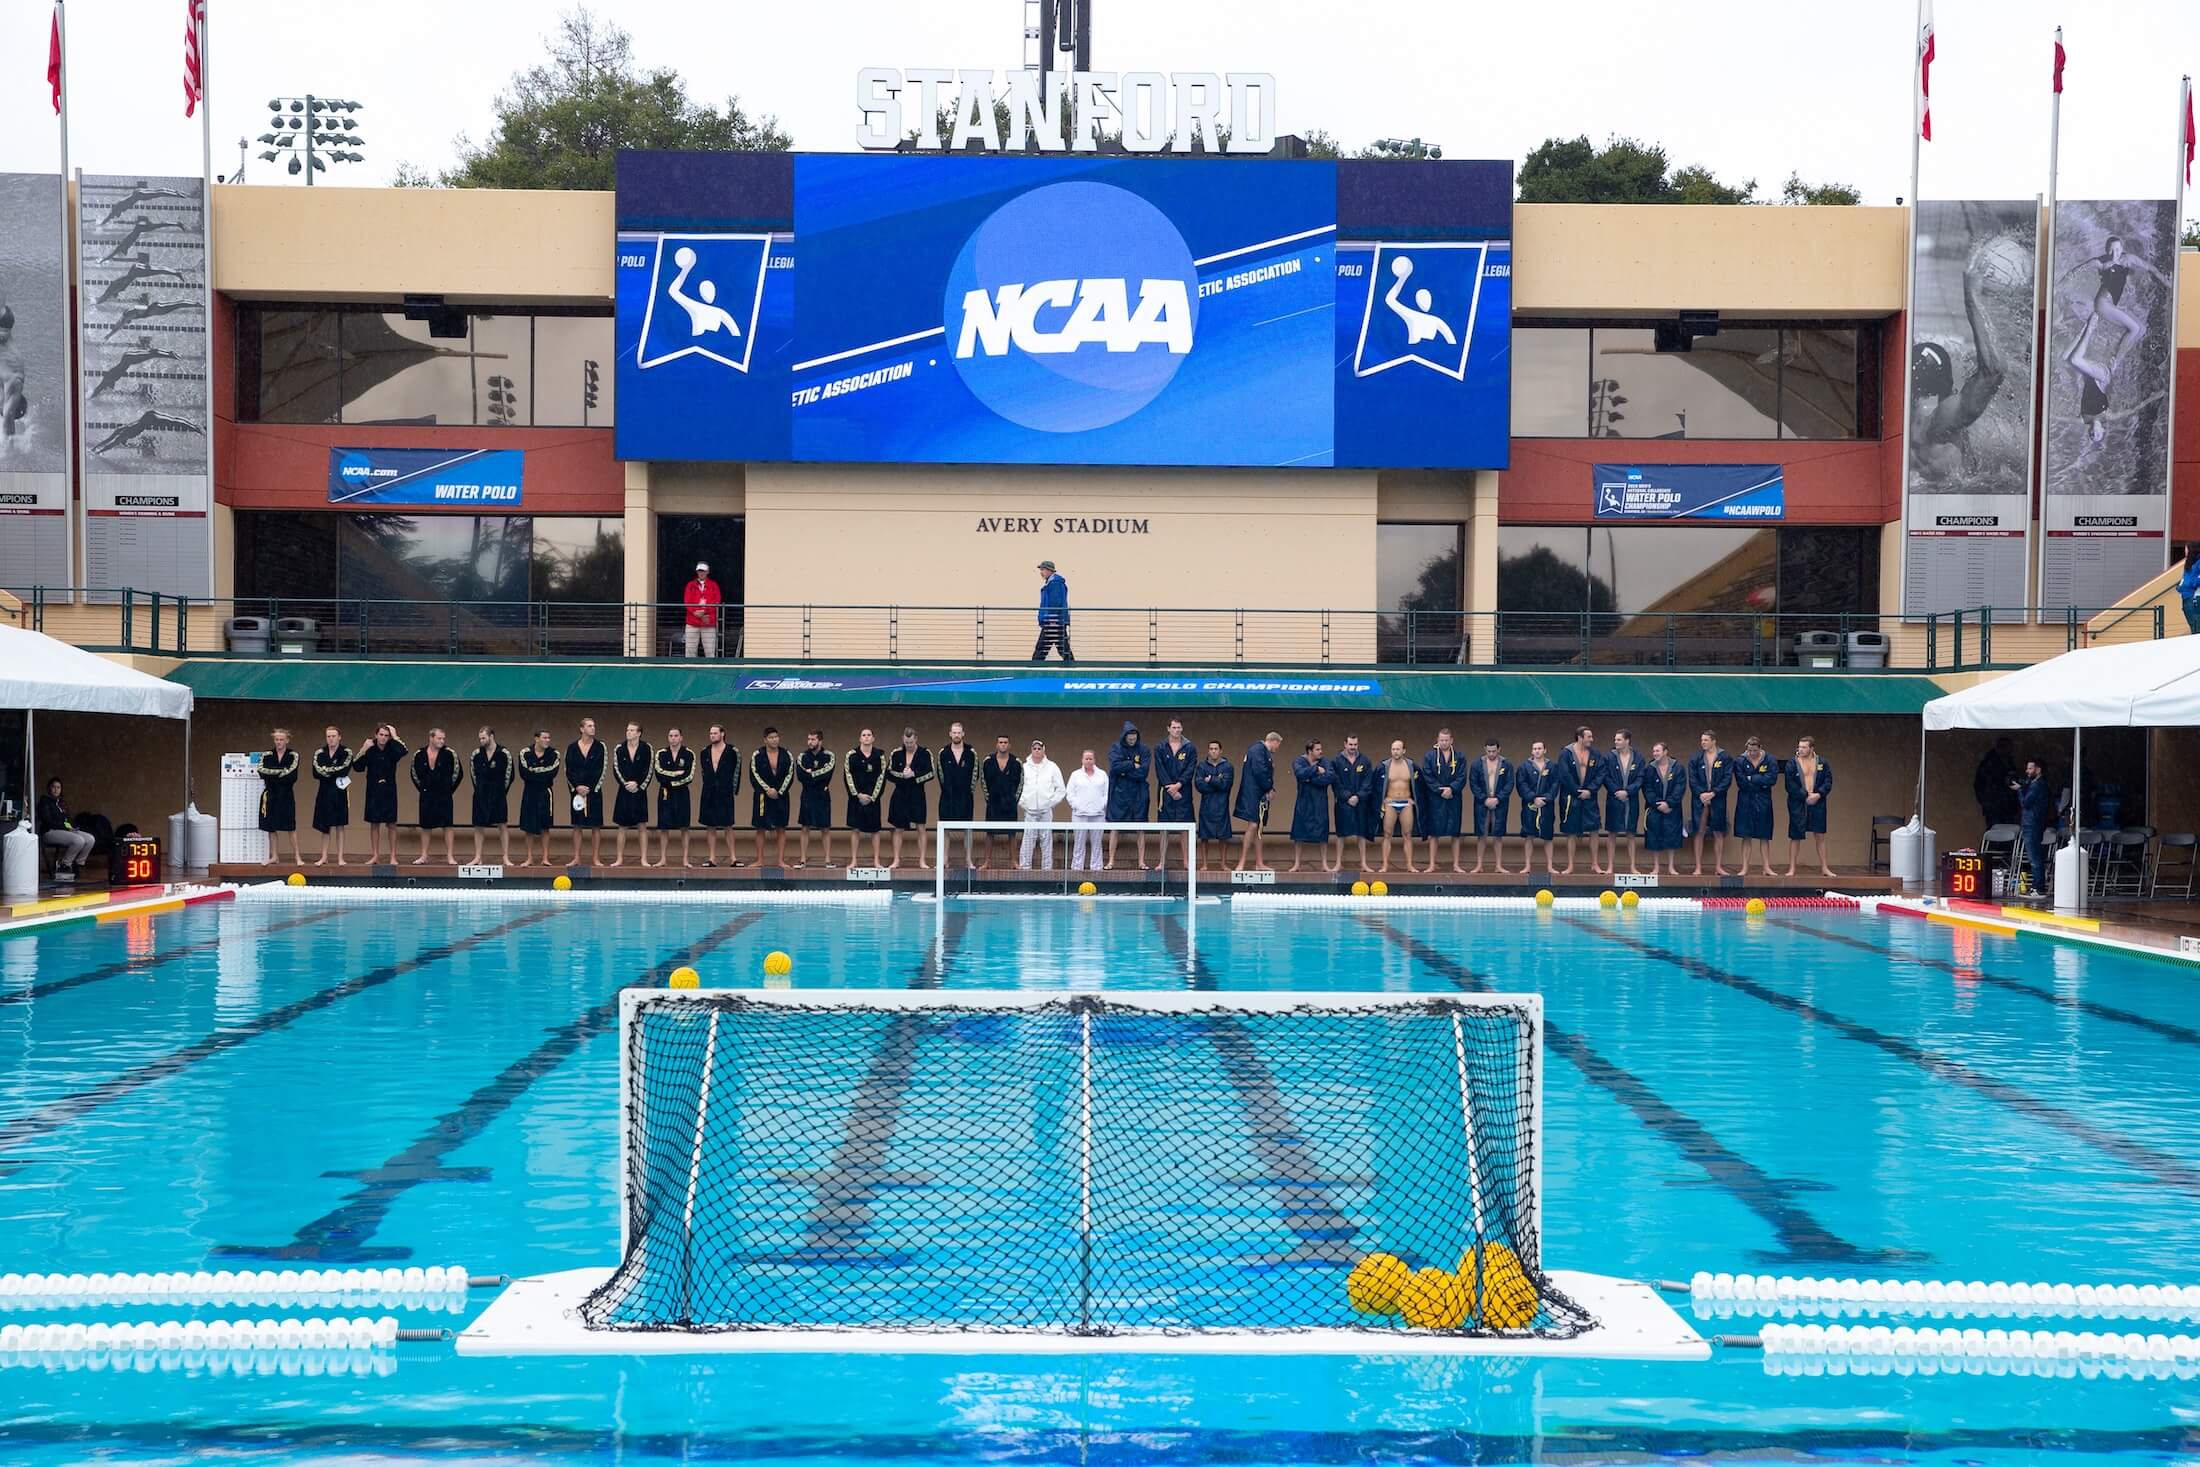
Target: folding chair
(2182, 870)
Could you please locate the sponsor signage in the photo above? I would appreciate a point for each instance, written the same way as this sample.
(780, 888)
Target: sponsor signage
(1064, 310)
(1726, 492)
(368, 478)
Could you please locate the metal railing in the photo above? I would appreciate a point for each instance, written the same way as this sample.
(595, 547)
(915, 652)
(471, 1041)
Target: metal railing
(126, 620)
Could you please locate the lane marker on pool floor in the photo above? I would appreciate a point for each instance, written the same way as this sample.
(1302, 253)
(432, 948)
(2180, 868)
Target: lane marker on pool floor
(146, 964)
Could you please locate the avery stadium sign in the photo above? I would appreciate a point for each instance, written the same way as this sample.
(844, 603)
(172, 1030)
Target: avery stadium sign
(1068, 111)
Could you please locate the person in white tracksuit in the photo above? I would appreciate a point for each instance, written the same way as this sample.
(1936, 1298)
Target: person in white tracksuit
(1088, 806)
(1043, 790)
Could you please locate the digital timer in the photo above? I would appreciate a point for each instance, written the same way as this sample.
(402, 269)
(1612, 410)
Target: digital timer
(134, 861)
(1965, 875)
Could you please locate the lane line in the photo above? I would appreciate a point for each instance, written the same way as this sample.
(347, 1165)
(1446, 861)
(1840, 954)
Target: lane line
(140, 965)
(342, 1235)
(2137, 1155)
(55, 1114)
(1802, 1236)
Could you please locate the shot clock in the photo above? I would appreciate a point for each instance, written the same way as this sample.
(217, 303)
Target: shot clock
(1965, 876)
(134, 861)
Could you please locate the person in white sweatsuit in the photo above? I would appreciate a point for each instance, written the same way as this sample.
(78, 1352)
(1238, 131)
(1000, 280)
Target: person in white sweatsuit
(1088, 806)
(1043, 790)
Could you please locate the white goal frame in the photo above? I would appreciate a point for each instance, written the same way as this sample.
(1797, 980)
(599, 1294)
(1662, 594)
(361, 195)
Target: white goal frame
(1186, 828)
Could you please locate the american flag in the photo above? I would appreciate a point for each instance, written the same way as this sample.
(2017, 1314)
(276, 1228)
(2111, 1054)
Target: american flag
(194, 25)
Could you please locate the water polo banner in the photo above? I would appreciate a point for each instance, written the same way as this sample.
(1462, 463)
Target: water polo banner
(1064, 309)
(1726, 492)
(2104, 507)
(1967, 485)
(373, 478)
(34, 433)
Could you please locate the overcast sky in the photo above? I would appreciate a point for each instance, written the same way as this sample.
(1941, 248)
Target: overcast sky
(1748, 88)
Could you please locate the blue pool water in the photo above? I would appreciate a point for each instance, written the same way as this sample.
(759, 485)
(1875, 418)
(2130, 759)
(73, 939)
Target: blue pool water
(271, 1085)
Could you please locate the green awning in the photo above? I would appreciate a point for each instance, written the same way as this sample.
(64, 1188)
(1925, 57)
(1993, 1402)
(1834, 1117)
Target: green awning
(1448, 690)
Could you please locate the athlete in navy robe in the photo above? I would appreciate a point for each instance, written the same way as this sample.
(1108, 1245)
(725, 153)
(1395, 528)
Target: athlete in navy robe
(1356, 800)
(539, 767)
(1442, 796)
(1808, 774)
(1536, 782)
(1580, 770)
(814, 770)
(1130, 788)
(1175, 762)
(1710, 772)
(1623, 769)
(331, 801)
(1664, 809)
(1756, 776)
(771, 782)
(1489, 797)
(1256, 783)
(1212, 778)
(1310, 806)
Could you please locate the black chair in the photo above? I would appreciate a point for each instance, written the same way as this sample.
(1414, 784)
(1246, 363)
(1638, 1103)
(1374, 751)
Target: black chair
(1883, 829)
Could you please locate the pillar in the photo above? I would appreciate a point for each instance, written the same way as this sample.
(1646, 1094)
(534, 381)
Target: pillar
(641, 563)
(1482, 570)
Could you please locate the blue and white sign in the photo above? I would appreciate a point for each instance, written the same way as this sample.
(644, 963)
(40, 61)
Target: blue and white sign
(1063, 310)
(1728, 492)
(377, 478)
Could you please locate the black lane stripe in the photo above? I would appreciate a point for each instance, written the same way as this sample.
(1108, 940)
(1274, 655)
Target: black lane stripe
(2137, 1155)
(55, 1114)
(2175, 1033)
(342, 1235)
(140, 965)
(1802, 1236)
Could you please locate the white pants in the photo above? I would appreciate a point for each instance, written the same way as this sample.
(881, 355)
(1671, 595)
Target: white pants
(1084, 847)
(1039, 830)
(75, 846)
(707, 636)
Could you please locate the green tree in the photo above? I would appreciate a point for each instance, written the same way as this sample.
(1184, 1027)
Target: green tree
(1795, 191)
(1627, 171)
(2192, 234)
(561, 123)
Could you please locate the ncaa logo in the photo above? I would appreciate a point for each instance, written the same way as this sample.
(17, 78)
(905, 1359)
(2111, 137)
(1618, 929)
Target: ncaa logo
(1071, 307)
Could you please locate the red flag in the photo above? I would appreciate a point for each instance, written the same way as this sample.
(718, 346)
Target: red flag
(1925, 75)
(53, 59)
(2058, 63)
(194, 22)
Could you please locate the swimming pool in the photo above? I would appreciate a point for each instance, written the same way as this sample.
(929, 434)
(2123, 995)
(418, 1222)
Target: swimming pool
(289, 1085)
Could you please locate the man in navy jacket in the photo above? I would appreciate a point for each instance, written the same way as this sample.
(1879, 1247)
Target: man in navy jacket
(1053, 614)
(2036, 799)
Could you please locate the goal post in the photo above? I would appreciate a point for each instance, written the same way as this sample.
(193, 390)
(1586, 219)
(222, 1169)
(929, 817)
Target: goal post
(1049, 847)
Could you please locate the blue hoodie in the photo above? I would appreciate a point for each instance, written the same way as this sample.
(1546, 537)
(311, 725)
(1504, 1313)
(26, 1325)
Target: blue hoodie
(1130, 776)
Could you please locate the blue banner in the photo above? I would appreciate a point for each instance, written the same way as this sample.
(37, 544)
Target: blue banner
(1065, 310)
(1727, 492)
(853, 682)
(375, 478)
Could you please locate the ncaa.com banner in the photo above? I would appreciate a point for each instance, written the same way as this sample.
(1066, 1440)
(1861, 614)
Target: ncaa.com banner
(1074, 310)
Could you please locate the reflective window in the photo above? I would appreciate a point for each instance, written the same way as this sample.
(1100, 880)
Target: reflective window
(434, 557)
(573, 371)
(1725, 386)
(580, 559)
(1669, 569)
(1818, 383)
(297, 366)
(502, 370)
(1830, 570)
(1543, 568)
(1420, 588)
(1550, 382)
(394, 372)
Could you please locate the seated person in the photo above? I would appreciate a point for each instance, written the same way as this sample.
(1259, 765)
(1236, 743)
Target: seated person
(57, 829)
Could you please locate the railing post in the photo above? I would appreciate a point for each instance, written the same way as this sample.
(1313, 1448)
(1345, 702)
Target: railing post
(1672, 643)
(127, 610)
(1932, 641)
(805, 631)
(366, 626)
(893, 634)
(1958, 663)
(183, 622)
(2070, 629)
(1986, 636)
(452, 638)
(1325, 635)
(981, 634)
(2158, 621)
(1240, 636)
(1153, 636)
(1583, 620)
(153, 640)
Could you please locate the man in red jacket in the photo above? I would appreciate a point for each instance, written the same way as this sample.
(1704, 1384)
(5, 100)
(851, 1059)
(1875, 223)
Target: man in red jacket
(702, 611)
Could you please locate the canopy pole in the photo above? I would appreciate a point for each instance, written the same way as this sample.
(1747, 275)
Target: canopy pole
(30, 768)
(186, 763)
(1921, 773)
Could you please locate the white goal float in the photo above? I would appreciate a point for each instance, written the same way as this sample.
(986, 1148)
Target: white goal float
(1020, 1172)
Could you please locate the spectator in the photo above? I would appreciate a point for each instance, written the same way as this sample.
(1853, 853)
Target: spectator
(1994, 785)
(1043, 789)
(703, 602)
(57, 830)
(2188, 588)
(1053, 614)
(279, 795)
(2036, 803)
(1088, 806)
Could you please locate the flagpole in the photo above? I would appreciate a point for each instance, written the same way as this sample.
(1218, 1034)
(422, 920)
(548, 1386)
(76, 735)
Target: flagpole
(206, 219)
(2176, 275)
(1909, 341)
(2040, 435)
(69, 382)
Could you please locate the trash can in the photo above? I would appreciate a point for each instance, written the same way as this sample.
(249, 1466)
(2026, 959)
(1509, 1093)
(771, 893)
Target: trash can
(248, 634)
(1817, 649)
(1867, 649)
(297, 635)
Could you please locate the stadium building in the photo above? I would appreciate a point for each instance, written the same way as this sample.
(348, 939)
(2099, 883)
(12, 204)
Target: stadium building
(1699, 354)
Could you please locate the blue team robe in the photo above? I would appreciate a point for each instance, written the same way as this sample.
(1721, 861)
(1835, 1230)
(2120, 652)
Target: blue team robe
(1716, 777)
(1258, 782)
(1130, 768)
(1355, 775)
(1661, 829)
(1623, 794)
(1805, 818)
(1533, 784)
(1480, 787)
(1175, 768)
(1577, 792)
(1753, 786)
(1439, 772)
(1212, 779)
(1310, 810)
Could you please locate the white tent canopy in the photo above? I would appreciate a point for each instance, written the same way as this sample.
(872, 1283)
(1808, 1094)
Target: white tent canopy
(2134, 685)
(44, 675)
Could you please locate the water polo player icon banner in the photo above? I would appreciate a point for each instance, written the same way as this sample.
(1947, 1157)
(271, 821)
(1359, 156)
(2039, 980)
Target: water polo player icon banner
(1064, 310)
(1032, 1172)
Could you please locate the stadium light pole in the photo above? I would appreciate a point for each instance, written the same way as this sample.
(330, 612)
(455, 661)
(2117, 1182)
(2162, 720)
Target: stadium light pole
(312, 132)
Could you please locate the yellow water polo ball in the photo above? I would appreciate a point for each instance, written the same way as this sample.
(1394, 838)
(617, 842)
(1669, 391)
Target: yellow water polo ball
(1607, 898)
(1435, 1299)
(1359, 888)
(1378, 888)
(1630, 899)
(1544, 897)
(778, 964)
(1756, 907)
(1086, 888)
(296, 878)
(1509, 1297)
(563, 883)
(1377, 1283)
(685, 978)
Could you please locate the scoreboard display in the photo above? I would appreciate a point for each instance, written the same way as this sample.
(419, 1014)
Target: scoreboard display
(134, 861)
(1965, 875)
